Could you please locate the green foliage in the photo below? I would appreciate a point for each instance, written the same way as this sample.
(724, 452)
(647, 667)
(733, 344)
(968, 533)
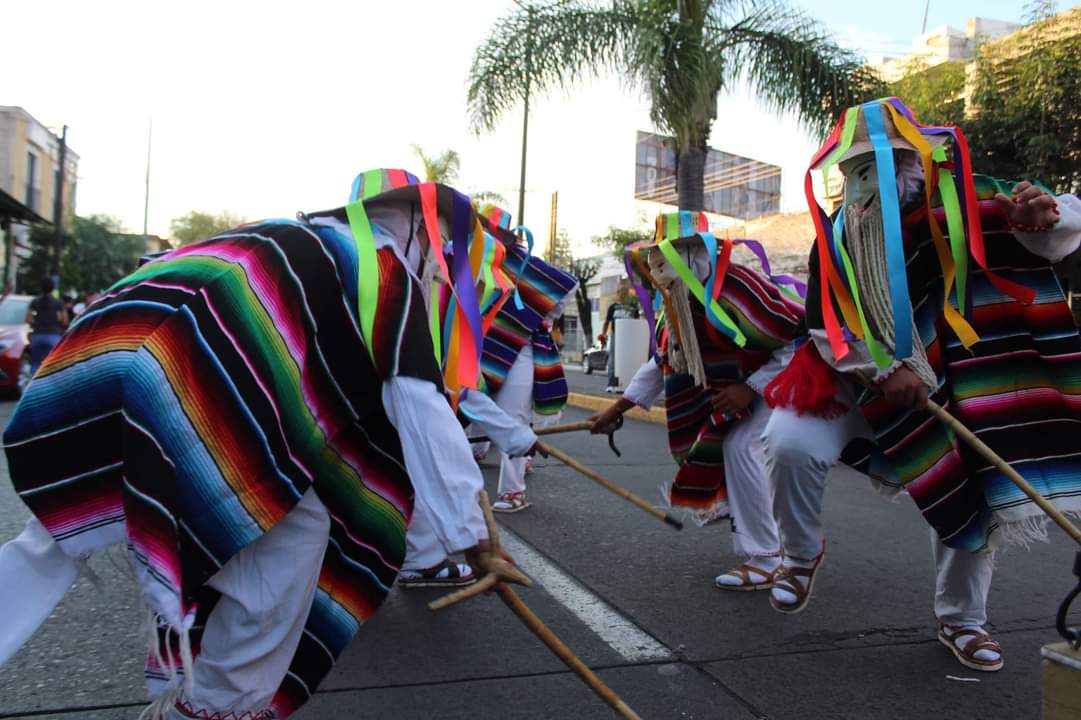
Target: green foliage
(935, 94)
(583, 270)
(95, 255)
(196, 226)
(441, 168)
(617, 239)
(1025, 99)
(682, 54)
(1021, 113)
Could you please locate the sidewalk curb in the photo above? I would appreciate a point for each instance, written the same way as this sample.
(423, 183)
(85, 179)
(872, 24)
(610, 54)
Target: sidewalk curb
(600, 402)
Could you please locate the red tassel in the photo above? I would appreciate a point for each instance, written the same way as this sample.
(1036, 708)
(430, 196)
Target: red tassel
(807, 385)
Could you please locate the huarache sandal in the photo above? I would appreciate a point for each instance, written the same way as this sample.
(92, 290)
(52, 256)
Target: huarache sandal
(795, 581)
(741, 579)
(979, 652)
(446, 574)
(510, 503)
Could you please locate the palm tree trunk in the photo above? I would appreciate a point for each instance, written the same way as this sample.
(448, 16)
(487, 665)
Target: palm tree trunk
(690, 177)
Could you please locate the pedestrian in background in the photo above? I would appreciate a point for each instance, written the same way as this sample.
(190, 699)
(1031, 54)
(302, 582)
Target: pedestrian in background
(47, 319)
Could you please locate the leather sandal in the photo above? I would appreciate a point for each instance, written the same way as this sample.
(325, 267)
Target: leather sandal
(446, 574)
(510, 503)
(949, 635)
(796, 580)
(764, 581)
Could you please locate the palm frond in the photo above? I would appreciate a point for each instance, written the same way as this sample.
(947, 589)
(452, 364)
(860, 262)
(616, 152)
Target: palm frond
(553, 47)
(791, 61)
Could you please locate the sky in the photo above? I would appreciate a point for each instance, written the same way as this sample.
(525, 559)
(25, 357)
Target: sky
(266, 108)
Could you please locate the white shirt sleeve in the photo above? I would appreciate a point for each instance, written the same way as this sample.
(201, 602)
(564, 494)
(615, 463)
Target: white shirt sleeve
(509, 435)
(1063, 238)
(858, 360)
(646, 385)
(778, 361)
(445, 477)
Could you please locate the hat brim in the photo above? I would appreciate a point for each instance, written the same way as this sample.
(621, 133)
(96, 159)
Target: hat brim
(445, 196)
(865, 147)
(505, 236)
(445, 203)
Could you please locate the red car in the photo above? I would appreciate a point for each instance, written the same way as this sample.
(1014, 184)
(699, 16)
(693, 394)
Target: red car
(14, 343)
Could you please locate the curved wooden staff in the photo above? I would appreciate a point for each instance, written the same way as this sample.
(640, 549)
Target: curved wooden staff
(991, 456)
(501, 571)
(667, 518)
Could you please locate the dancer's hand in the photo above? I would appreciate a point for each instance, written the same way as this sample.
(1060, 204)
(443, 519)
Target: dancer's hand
(605, 421)
(904, 388)
(1030, 207)
(485, 561)
(537, 449)
(732, 399)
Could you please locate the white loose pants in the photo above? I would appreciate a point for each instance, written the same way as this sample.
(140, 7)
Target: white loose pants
(754, 530)
(516, 398)
(35, 574)
(254, 629)
(800, 450)
(250, 636)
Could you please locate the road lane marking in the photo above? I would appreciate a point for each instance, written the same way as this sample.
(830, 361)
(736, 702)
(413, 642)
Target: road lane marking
(622, 635)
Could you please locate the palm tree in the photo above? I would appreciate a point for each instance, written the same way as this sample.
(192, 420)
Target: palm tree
(442, 168)
(682, 54)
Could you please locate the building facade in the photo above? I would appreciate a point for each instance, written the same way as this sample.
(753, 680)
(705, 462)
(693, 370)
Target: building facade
(29, 160)
(942, 45)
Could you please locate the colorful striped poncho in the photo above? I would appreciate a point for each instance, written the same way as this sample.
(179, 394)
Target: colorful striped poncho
(188, 411)
(1019, 390)
(770, 319)
(541, 287)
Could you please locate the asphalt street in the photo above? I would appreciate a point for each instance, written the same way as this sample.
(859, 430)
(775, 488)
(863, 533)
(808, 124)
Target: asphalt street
(635, 599)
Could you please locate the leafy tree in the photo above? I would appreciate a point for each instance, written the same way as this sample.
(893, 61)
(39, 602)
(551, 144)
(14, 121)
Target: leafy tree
(96, 254)
(682, 54)
(196, 226)
(441, 168)
(1017, 100)
(935, 94)
(1025, 103)
(617, 238)
(444, 168)
(583, 270)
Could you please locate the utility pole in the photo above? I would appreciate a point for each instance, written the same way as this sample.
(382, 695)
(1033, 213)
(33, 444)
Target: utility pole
(553, 221)
(525, 113)
(146, 194)
(926, 7)
(58, 209)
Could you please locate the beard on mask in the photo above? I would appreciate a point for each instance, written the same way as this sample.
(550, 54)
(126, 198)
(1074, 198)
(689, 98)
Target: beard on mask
(865, 240)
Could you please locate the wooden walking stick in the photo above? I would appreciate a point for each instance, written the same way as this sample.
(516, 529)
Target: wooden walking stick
(607, 484)
(991, 456)
(566, 428)
(501, 571)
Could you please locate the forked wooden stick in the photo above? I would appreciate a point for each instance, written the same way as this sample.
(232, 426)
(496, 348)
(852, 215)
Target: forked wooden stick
(499, 570)
(991, 456)
(528, 617)
(623, 492)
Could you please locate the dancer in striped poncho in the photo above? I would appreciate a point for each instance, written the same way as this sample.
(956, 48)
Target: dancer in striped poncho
(972, 317)
(726, 331)
(521, 364)
(234, 412)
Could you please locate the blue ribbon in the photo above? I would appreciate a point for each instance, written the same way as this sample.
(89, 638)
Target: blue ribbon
(711, 249)
(525, 261)
(891, 224)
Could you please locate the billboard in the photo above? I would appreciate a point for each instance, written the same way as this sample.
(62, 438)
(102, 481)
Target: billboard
(735, 186)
